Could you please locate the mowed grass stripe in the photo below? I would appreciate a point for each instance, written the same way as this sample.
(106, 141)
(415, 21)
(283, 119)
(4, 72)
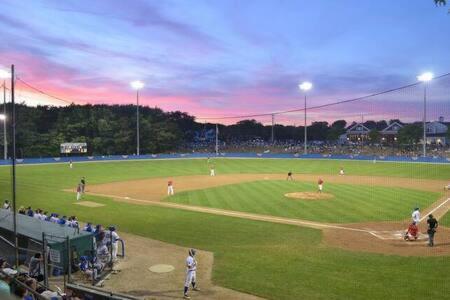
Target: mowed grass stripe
(351, 203)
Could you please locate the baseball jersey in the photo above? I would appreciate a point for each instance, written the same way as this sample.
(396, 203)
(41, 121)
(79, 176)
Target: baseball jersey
(416, 216)
(412, 229)
(191, 264)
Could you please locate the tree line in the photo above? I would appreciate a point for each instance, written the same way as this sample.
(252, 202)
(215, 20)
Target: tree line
(111, 130)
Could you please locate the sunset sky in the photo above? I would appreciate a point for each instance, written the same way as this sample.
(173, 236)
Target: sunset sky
(216, 58)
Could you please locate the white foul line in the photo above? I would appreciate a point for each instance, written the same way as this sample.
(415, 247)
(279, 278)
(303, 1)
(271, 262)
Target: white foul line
(434, 209)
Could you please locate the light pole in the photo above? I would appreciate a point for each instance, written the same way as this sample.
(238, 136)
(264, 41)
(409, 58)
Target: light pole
(4, 75)
(425, 78)
(305, 86)
(137, 85)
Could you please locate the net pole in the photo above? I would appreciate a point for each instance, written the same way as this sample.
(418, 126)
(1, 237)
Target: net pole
(5, 144)
(13, 125)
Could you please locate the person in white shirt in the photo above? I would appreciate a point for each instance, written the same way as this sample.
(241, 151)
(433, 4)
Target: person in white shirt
(37, 214)
(114, 238)
(416, 215)
(44, 216)
(54, 218)
(191, 268)
(6, 205)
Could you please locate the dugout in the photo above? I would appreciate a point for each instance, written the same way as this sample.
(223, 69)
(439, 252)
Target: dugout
(52, 239)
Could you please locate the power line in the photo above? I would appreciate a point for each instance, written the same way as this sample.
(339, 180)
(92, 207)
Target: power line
(44, 93)
(318, 106)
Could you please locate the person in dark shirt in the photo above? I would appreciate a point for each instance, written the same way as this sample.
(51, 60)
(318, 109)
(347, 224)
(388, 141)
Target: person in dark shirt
(22, 210)
(432, 226)
(83, 184)
(30, 212)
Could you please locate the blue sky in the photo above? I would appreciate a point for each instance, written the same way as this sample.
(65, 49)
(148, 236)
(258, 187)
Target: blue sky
(213, 58)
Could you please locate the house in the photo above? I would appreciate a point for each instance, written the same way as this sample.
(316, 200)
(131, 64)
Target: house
(437, 132)
(390, 133)
(357, 133)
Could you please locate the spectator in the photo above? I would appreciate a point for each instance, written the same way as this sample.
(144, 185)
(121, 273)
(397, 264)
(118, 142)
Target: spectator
(35, 268)
(5, 290)
(30, 212)
(88, 228)
(6, 205)
(62, 221)
(37, 214)
(31, 283)
(22, 210)
(20, 292)
(73, 222)
(44, 216)
(54, 218)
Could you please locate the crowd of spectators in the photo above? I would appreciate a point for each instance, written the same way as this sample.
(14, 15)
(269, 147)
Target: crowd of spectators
(104, 254)
(23, 285)
(317, 147)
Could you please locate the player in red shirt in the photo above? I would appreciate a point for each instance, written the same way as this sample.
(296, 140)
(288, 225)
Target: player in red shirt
(413, 232)
(170, 188)
(320, 184)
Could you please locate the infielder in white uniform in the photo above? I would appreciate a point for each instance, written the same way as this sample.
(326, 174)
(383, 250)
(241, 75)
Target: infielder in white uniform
(212, 171)
(191, 268)
(170, 188)
(341, 171)
(416, 215)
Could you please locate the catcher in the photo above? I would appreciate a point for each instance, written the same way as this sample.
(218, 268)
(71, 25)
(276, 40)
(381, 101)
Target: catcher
(412, 233)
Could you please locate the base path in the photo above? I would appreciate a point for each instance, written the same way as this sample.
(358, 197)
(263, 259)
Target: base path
(380, 237)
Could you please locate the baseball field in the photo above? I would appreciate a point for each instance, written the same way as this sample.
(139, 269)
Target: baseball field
(273, 238)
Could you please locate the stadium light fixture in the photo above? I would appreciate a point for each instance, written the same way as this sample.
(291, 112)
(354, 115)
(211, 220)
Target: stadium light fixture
(305, 86)
(137, 85)
(4, 74)
(425, 77)
(2, 117)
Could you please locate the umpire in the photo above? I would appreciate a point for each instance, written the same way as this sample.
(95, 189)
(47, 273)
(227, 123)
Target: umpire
(432, 226)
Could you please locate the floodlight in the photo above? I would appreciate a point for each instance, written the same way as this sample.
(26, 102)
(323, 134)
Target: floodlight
(305, 86)
(137, 84)
(427, 76)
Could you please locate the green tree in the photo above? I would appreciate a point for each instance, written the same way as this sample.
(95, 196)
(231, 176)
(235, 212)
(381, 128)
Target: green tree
(374, 136)
(410, 134)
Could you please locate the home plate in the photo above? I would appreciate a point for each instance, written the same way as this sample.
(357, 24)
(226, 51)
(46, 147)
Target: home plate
(161, 268)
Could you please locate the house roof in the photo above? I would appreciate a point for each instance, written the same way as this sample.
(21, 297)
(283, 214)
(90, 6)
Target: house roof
(392, 128)
(358, 128)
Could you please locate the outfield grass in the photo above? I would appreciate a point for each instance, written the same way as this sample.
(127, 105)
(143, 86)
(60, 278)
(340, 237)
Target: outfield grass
(445, 220)
(271, 260)
(352, 203)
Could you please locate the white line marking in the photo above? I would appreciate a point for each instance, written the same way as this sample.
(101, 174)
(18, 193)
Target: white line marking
(238, 214)
(434, 209)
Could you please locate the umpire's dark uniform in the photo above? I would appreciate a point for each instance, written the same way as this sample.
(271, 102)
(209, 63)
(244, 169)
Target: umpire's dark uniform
(432, 225)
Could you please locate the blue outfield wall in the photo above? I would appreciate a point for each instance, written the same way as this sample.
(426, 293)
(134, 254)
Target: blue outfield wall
(27, 161)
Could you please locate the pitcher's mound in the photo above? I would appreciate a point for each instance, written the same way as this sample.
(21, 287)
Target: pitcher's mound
(89, 204)
(309, 195)
(161, 268)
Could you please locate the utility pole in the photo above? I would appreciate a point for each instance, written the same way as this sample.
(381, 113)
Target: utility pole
(273, 124)
(217, 139)
(5, 140)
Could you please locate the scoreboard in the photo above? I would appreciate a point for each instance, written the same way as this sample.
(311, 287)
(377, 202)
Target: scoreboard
(73, 148)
